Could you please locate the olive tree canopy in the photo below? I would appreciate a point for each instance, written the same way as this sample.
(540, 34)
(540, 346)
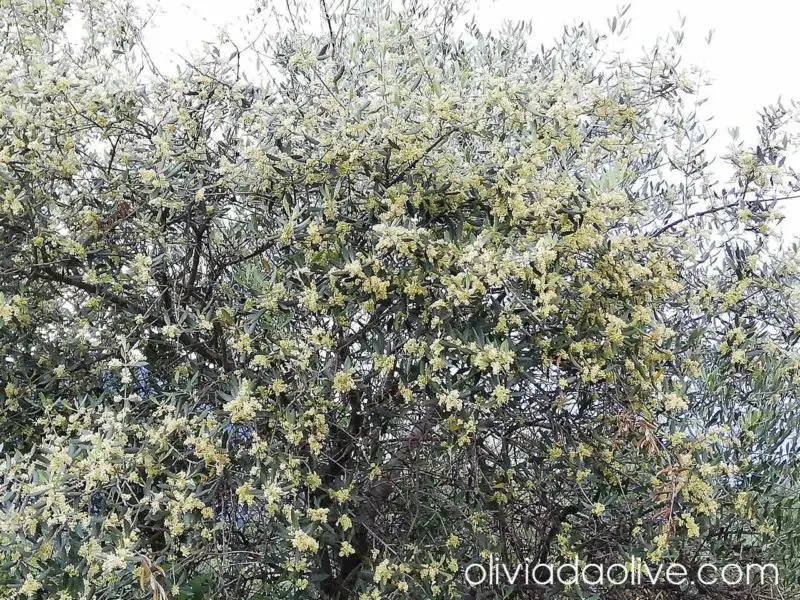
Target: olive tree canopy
(405, 296)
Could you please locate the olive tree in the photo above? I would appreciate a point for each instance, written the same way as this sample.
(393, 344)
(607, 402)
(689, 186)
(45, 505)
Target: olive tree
(401, 297)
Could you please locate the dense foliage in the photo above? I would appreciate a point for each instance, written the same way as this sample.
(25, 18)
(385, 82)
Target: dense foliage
(405, 297)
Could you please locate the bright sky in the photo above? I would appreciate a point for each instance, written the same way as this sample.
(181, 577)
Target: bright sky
(752, 56)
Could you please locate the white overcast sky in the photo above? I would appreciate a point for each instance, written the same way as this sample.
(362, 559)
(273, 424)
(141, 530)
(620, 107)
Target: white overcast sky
(752, 58)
